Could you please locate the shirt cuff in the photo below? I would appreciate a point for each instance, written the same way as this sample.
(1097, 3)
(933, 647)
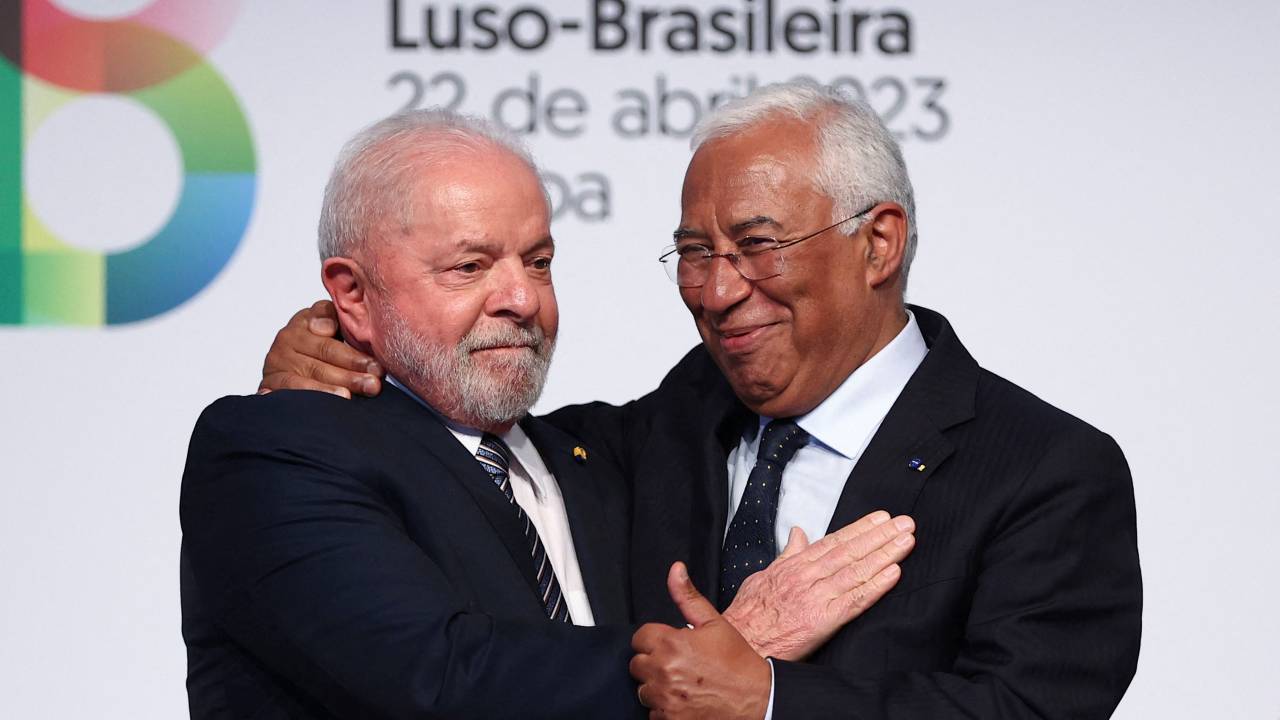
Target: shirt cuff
(768, 713)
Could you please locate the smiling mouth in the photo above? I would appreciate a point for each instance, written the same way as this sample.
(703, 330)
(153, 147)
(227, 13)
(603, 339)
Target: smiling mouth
(740, 340)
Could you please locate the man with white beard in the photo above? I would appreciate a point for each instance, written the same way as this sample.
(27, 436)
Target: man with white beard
(434, 551)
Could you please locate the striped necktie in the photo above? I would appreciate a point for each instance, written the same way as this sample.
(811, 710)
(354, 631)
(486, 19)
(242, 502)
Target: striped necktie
(495, 458)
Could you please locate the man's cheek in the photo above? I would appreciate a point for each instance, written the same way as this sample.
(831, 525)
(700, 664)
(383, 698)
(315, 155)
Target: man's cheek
(549, 311)
(689, 296)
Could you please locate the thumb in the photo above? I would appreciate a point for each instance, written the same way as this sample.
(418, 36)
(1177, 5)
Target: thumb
(796, 542)
(695, 608)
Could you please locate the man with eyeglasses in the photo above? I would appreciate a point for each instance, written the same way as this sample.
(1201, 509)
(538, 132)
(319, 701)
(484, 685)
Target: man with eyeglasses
(817, 395)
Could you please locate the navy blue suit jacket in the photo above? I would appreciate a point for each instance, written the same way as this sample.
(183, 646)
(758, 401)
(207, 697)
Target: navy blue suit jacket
(1023, 596)
(348, 558)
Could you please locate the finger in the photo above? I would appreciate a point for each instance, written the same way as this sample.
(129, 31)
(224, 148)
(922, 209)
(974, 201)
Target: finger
(299, 351)
(796, 542)
(862, 571)
(645, 640)
(357, 382)
(856, 602)
(856, 548)
(323, 327)
(322, 318)
(847, 533)
(695, 608)
(300, 318)
(290, 337)
(878, 537)
(289, 381)
(340, 354)
(640, 667)
(323, 309)
(299, 338)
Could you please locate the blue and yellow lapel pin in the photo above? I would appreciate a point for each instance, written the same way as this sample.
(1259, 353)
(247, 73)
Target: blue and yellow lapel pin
(916, 464)
(579, 454)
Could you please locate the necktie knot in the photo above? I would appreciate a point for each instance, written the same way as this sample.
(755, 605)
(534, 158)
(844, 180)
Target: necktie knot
(494, 452)
(780, 442)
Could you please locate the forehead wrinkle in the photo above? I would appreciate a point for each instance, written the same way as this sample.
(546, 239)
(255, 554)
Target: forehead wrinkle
(753, 196)
(748, 177)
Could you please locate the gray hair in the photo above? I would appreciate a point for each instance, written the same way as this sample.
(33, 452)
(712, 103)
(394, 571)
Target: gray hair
(373, 178)
(859, 162)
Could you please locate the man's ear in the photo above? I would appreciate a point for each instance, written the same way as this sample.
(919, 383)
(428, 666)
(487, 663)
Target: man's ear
(348, 284)
(886, 243)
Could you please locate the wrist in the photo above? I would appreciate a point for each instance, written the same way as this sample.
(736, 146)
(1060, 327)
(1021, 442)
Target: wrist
(742, 623)
(760, 691)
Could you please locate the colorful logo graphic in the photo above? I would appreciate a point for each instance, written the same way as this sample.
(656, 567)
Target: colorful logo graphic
(153, 57)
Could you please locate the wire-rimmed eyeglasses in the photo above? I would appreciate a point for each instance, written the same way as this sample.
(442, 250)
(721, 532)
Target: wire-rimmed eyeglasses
(756, 258)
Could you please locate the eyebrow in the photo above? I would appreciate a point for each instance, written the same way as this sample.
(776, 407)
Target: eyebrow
(751, 223)
(474, 244)
(735, 229)
(543, 243)
(491, 247)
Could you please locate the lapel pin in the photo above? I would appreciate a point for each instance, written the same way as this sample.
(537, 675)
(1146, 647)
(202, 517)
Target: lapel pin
(579, 454)
(916, 464)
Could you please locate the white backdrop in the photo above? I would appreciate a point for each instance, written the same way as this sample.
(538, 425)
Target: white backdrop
(1097, 219)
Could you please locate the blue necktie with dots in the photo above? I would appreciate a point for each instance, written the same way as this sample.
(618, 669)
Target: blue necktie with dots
(749, 546)
(495, 458)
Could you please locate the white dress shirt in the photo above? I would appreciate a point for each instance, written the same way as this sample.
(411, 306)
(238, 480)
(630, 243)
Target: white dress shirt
(538, 493)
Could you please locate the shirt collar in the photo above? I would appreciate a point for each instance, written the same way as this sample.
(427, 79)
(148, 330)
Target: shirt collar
(523, 453)
(849, 417)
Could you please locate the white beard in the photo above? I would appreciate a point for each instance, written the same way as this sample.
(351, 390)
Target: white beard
(493, 392)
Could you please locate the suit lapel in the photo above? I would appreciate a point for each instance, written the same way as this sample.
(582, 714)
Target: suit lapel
(910, 444)
(711, 502)
(426, 429)
(598, 545)
(893, 469)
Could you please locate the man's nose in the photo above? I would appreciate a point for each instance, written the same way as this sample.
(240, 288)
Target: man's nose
(724, 287)
(513, 293)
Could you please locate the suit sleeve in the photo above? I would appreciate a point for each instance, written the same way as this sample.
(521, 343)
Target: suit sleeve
(311, 571)
(1055, 621)
(622, 430)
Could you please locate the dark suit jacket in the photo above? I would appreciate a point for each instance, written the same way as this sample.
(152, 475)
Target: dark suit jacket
(351, 559)
(1023, 595)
